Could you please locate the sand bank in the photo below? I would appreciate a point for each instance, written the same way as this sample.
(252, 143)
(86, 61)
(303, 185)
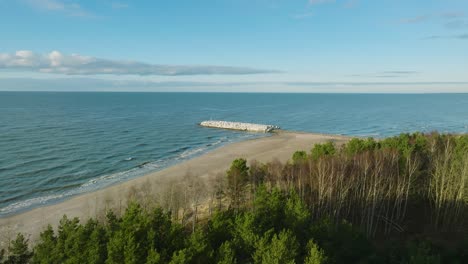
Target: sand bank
(280, 145)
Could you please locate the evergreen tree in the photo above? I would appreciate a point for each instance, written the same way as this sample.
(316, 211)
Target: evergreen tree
(246, 235)
(226, 254)
(315, 255)
(131, 249)
(66, 239)
(237, 178)
(45, 250)
(180, 257)
(135, 225)
(320, 150)
(164, 235)
(352, 244)
(357, 145)
(112, 222)
(198, 249)
(299, 157)
(19, 252)
(421, 253)
(281, 249)
(269, 209)
(115, 248)
(296, 216)
(153, 257)
(220, 228)
(96, 248)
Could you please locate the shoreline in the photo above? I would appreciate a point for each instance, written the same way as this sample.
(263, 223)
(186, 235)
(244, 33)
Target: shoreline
(280, 145)
(62, 197)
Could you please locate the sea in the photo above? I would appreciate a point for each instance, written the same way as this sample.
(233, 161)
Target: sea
(54, 145)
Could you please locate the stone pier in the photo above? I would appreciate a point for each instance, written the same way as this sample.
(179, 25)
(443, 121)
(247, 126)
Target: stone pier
(239, 126)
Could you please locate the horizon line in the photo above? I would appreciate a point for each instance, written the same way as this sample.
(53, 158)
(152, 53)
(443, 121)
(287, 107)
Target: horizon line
(230, 92)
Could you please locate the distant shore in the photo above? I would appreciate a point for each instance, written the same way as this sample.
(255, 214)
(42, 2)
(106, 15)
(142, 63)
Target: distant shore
(280, 146)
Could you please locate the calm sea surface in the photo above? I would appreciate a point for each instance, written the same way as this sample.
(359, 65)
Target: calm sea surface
(55, 145)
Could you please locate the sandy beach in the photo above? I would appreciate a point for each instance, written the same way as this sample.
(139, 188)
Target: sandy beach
(279, 146)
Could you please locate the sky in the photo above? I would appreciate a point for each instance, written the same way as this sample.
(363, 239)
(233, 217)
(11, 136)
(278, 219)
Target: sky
(370, 46)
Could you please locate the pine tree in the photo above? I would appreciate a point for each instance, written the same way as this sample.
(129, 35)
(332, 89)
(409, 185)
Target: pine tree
(131, 249)
(299, 157)
(269, 209)
(315, 254)
(226, 254)
(180, 257)
(237, 178)
(153, 257)
(19, 252)
(198, 247)
(220, 228)
(296, 216)
(135, 224)
(281, 249)
(67, 239)
(112, 221)
(45, 250)
(115, 248)
(246, 235)
(97, 251)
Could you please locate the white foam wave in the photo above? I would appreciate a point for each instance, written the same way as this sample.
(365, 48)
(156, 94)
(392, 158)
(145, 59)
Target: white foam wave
(190, 152)
(28, 203)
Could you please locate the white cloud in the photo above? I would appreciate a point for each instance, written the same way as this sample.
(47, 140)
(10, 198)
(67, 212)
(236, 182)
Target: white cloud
(303, 15)
(459, 36)
(415, 20)
(48, 4)
(75, 64)
(450, 15)
(351, 3)
(453, 17)
(119, 5)
(317, 2)
(67, 7)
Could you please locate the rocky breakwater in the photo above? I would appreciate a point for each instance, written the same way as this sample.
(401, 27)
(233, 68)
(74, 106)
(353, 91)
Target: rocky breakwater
(239, 126)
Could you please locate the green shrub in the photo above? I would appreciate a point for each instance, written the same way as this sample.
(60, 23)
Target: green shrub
(299, 157)
(321, 150)
(356, 145)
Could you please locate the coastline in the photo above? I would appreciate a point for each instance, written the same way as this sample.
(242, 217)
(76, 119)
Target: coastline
(117, 177)
(281, 145)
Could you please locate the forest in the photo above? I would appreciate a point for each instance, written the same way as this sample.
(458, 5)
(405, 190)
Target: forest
(401, 199)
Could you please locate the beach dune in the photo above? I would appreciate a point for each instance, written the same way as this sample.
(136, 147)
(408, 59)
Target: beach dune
(280, 145)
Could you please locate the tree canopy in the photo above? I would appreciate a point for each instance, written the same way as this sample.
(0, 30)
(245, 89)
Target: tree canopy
(397, 200)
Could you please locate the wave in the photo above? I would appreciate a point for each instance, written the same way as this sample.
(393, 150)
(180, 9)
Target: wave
(178, 150)
(183, 153)
(25, 204)
(191, 152)
(91, 185)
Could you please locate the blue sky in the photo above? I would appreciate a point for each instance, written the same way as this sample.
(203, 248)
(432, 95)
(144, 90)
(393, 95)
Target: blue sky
(235, 45)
